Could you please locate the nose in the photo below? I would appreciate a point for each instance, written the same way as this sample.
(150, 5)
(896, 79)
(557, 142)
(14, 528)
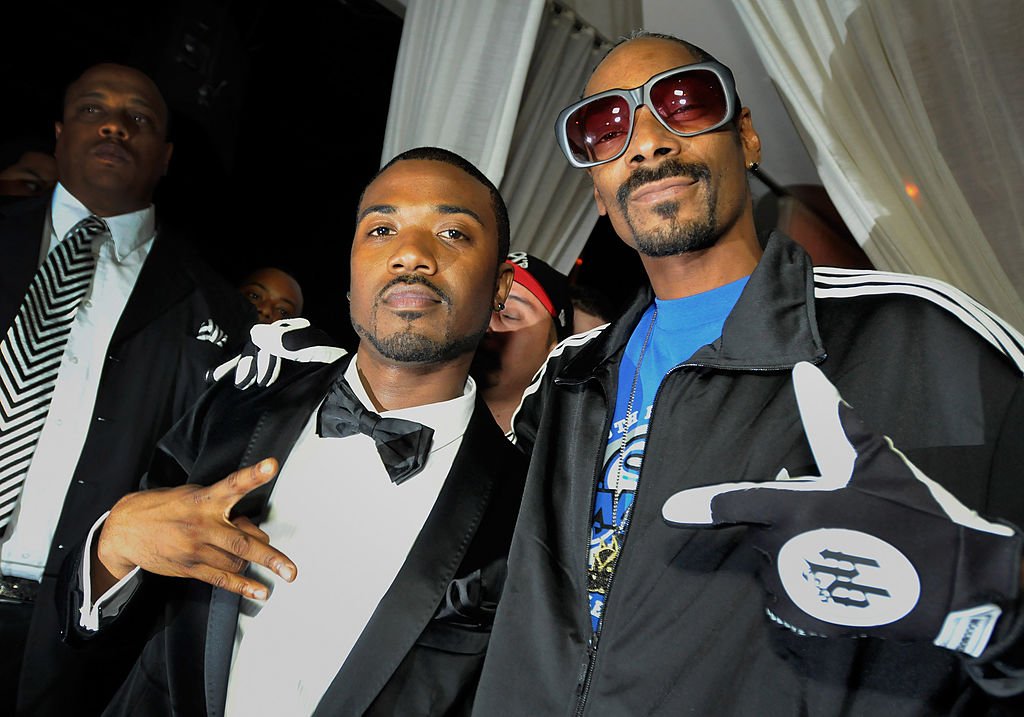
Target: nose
(116, 124)
(650, 139)
(264, 310)
(413, 254)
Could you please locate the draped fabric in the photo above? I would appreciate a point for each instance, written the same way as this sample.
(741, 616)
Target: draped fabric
(486, 79)
(550, 202)
(911, 111)
(459, 78)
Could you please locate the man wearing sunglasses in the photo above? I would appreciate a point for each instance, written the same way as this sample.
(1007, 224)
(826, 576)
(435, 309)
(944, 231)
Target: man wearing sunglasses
(708, 528)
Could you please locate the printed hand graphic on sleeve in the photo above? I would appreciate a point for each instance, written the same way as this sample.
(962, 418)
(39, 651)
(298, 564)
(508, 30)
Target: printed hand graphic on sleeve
(259, 364)
(872, 546)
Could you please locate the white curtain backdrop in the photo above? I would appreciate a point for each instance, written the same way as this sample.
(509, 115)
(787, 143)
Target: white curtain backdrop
(486, 79)
(459, 78)
(911, 112)
(550, 202)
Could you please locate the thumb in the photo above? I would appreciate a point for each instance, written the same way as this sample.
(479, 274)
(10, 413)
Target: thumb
(245, 372)
(216, 374)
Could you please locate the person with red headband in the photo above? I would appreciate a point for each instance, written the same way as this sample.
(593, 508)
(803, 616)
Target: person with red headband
(536, 315)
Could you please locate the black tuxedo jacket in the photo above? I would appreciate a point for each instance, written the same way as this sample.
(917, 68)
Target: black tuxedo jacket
(153, 372)
(423, 648)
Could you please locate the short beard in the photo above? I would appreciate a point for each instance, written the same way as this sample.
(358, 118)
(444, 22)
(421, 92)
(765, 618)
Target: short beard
(410, 347)
(672, 237)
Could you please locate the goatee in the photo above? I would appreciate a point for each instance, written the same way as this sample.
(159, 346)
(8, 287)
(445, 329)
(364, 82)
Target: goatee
(672, 237)
(410, 347)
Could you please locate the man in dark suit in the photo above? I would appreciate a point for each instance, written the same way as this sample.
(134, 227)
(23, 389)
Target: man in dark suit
(381, 592)
(151, 319)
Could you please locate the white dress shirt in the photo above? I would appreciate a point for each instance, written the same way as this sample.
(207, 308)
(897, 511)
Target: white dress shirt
(335, 512)
(119, 260)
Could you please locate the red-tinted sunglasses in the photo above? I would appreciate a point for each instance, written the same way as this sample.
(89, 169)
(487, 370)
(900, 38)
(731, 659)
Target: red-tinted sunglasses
(687, 101)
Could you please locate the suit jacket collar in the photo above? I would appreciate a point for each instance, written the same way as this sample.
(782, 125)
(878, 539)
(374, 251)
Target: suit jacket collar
(162, 283)
(413, 598)
(273, 432)
(21, 236)
(418, 588)
(772, 327)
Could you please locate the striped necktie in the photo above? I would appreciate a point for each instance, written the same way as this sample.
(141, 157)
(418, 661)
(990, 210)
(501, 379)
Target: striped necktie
(31, 352)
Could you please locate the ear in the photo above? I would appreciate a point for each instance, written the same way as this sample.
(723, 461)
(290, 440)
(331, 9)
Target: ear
(58, 127)
(504, 283)
(168, 151)
(749, 138)
(601, 208)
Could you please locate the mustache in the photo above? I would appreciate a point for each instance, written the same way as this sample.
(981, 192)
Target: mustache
(414, 279)
(669, 168)
(116, 142)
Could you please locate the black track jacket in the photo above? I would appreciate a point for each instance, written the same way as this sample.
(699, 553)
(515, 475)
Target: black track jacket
(685, 631)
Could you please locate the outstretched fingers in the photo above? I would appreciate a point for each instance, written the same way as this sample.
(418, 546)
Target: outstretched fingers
(748, 502)
(241, 538)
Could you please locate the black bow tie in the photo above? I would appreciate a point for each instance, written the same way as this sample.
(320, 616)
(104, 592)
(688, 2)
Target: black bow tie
(403, 445)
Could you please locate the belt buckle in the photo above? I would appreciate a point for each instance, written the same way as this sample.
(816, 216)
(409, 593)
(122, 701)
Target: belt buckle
(19, 591)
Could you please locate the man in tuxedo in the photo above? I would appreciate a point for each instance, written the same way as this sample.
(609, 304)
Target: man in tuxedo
(109, 328)
(356, 547)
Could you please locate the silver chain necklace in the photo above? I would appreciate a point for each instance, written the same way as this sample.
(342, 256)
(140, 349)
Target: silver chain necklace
(625, 432)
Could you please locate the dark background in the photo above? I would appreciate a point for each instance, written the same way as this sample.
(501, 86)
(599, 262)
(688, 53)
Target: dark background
(278, 113)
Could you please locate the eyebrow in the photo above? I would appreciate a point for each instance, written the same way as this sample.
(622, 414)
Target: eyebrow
(99, 95)
(452, 209)
(256, 283)
(376, 209)
(441, 208)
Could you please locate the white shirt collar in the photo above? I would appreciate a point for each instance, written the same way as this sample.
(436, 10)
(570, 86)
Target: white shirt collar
(449, 419)
(129, 231)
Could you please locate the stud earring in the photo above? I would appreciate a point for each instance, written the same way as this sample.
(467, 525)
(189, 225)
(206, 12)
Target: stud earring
(752, 167)
(500, 307)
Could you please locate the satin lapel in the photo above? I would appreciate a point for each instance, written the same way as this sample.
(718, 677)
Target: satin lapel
(21, 236)
(162, 282)
(414, 596)
(220, 642)
(279, 425)
(284, 413)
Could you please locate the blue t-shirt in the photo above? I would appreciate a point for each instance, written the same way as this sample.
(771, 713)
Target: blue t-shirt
(681, 326)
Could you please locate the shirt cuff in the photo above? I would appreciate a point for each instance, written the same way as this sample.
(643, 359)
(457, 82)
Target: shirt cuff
(111, 602)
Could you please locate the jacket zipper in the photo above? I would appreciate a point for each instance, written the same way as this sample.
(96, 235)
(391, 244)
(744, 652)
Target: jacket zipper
(586, 674)
(587, 668)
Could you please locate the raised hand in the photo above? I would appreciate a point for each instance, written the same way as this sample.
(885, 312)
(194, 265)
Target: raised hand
(872, 546)
(187, 531)
(259, 364)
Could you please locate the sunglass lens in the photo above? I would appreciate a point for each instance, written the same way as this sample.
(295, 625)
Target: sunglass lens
(598, 129)
(690, 101)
